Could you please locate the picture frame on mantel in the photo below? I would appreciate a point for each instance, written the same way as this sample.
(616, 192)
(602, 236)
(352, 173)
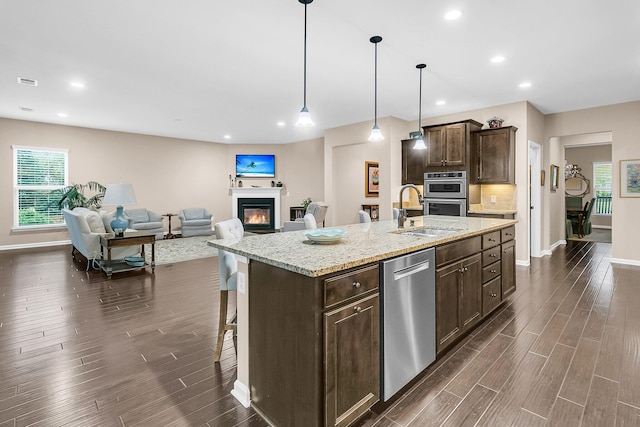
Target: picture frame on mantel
(554, 171)
(371, 179)
(630, 178)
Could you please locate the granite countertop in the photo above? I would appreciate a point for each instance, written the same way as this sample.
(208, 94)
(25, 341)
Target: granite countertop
(362, 244)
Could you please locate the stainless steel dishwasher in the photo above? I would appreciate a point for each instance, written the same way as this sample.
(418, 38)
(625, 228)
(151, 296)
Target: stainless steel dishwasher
(408, 318)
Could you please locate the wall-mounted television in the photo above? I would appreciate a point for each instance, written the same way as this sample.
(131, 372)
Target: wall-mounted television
(255, 165)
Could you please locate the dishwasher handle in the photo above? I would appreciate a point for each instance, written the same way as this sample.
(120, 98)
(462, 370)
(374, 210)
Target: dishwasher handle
(408, 271)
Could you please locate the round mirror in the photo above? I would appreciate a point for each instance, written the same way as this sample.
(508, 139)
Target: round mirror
(576, 186)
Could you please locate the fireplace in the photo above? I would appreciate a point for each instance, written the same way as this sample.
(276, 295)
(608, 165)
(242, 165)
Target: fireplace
(257, 214)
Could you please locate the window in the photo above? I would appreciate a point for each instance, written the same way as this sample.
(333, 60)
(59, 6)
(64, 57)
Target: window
(38, 173)
(602, 187)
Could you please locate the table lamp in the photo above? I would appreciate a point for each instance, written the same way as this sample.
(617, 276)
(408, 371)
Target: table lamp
(119, 195)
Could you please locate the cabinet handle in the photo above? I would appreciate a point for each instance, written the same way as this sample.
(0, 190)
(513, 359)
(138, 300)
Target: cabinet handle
(494, 295)
(358, 310)
(493, 271)
(492, 240)
(356, 285)
(505, 251)
(463, 269)
(492, 255)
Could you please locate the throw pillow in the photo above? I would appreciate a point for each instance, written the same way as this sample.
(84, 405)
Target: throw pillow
(95, 222)
(107, 217)
(193, 214)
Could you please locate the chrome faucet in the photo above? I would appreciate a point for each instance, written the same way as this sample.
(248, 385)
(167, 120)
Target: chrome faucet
(402, 216)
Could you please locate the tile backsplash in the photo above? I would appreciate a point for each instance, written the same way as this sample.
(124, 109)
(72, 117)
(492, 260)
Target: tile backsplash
(505, 196)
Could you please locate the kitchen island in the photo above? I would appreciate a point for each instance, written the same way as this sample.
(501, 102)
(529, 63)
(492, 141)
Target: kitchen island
(309, 315)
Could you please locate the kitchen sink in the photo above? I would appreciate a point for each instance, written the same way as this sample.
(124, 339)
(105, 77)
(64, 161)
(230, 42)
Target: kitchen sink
(431, 232)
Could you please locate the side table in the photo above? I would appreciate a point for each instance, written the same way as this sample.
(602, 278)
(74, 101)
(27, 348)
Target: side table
(169, 235)
(109, 241)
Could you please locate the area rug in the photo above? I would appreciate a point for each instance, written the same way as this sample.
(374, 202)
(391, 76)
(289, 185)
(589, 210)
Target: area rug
(597, 235)
(181, 249)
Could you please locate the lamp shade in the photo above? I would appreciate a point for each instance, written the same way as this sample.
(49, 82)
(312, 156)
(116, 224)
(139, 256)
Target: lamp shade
(119, 195)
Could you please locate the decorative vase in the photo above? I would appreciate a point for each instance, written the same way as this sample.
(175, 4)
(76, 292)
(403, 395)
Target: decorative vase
(495, 122)
(279, 184)
(239, 183)
(120, 222)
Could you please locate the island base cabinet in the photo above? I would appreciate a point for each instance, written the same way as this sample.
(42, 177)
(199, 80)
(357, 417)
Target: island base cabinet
(458, 299)
(352, 361)
(508, 268)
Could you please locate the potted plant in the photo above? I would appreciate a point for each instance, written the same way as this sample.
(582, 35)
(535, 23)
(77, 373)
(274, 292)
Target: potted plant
(73, 196)
(305, 203)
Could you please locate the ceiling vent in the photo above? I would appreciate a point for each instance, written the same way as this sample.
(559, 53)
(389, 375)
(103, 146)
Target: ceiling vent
(27, 109)
(28, 82)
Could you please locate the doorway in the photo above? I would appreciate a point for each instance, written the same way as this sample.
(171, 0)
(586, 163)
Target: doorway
(535, 200)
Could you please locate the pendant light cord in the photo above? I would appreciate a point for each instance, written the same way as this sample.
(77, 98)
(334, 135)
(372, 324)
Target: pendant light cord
(305, 58)
(375, 88)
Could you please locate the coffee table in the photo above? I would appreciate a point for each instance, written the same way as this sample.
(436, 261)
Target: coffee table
(109, 241)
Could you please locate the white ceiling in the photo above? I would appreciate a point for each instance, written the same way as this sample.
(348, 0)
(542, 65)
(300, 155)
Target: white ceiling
(200, 69)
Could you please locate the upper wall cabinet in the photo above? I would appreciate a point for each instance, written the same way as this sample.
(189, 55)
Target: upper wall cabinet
(413, 163)
(448, 145)
(495, 154)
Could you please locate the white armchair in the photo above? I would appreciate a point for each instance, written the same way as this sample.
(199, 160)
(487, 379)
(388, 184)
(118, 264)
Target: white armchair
(195, 222)
(85, 228)
(317, 209)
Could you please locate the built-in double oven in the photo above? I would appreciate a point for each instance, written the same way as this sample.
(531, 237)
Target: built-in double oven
(445, 193)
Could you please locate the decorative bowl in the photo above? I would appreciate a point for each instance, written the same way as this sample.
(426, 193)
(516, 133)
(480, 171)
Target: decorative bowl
(495, 122)
(134, 261)
(324, 235)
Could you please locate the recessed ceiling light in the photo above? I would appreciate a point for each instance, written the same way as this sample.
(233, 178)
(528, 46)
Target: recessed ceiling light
(281, 124)
(63, 115)
(525, 84)
(497, 59)
(77, 85)
(441, 102)
(227, 136)
(453, 14)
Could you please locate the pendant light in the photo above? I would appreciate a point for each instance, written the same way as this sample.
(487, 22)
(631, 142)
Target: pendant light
(419, 145)
(375, 135)
(304, 119)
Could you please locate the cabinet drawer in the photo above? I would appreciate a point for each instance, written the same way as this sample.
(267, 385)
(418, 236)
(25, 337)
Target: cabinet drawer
(491, 295)
(489, 240)
(508, 233)
(491, 271)
(346, 286)
(457, 250)
(490, 256)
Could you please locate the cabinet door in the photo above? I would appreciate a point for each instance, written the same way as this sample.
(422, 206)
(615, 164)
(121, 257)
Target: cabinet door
(435, 139)
(495, 156)
(413, 163)
(471, 291)
(352, 361)
(508, 268)
(447, 305)
(456, 145)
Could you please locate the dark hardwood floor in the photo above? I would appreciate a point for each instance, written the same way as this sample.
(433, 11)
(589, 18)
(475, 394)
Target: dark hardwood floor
(79, 349)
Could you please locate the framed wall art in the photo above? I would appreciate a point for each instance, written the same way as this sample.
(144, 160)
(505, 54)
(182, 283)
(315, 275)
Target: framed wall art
(629, 178)
(554, 171)
(371, 179)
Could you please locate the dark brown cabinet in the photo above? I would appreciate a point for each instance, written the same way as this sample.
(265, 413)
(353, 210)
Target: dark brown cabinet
(352, 360)
(494, 152)
(314, 345)
(413, 163)
(448, 145)
(508, 260)
(458, 299)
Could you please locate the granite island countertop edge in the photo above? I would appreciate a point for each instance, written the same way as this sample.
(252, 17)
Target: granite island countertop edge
(363, 244)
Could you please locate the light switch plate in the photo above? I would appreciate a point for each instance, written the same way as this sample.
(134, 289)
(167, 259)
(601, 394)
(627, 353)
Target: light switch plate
(242, 284)
(493, 200)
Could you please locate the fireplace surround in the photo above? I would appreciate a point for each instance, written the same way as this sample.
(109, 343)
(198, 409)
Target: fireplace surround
(259, 193)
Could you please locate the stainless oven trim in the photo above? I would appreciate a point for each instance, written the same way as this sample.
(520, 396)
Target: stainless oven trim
(462, 194)
(460, 202)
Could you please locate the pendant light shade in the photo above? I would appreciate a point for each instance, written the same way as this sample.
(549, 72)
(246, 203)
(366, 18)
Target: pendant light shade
(304, 119)
(375, 135)
(419, 145)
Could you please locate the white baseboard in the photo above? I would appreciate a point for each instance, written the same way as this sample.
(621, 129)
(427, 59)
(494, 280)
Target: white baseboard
(523, 262)
(35, 245)
(624, 261)
(241, 393)
(604, 227)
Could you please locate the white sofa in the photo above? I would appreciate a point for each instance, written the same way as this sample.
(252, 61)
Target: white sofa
(85, 228)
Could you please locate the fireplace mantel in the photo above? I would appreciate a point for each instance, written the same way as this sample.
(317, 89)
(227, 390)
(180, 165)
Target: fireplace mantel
(256, 193)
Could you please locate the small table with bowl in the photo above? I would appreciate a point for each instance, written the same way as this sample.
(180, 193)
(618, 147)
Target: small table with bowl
(109, 241)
